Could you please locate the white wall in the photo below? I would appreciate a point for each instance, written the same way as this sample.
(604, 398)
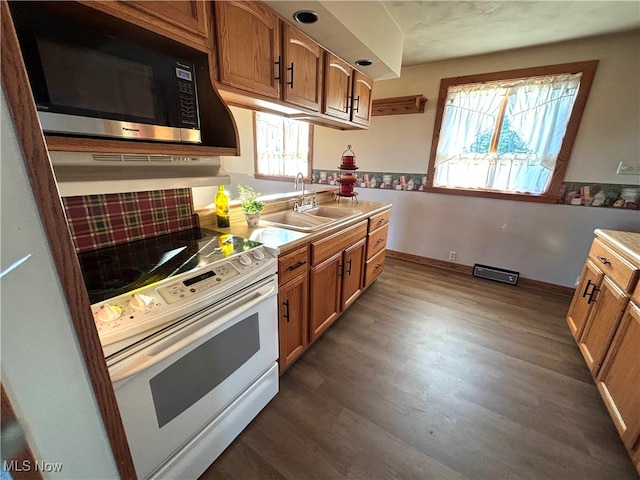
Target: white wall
(42, 368)
(543, 242)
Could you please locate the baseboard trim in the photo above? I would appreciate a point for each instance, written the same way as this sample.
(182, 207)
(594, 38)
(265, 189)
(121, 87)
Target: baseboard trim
(468, 270)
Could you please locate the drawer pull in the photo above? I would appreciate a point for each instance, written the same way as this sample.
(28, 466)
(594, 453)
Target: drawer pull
(604, 261)
(378, 265)
(286, 307)
(291, 268)
(381, 221)
(380, 240)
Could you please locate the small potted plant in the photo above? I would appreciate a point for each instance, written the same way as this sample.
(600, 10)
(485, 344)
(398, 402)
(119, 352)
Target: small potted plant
(251, 206)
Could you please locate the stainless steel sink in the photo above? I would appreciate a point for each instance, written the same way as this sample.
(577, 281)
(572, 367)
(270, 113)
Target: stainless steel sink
(309, 220)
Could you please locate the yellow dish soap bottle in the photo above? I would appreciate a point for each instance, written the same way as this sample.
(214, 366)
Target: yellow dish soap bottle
(222, 207)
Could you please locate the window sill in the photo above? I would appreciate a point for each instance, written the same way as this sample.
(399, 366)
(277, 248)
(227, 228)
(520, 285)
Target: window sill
(519, 197)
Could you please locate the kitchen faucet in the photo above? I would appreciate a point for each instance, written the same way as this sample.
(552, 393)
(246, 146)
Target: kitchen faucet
(304, 203)
(300, 176)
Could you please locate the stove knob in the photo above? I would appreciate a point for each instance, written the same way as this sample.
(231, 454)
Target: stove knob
(244, 260)
(139, 301)
(258, 255)
(109, 313)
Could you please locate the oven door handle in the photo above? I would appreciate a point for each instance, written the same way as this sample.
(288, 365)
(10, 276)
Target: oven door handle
(162, 349)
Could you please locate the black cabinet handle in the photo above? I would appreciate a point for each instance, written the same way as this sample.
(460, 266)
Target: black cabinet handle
(378, 265)
(290, 83)
(286, 307)
(341, 270)
(279, 64)
(357, 108)
(349, 269)
(591, 295)
(346, 105)
(380, 240)
(291, 268)
(604, 261)
(586, 288)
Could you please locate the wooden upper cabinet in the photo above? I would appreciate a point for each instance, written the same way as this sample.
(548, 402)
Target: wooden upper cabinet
(362, 98)
(337, 87)
(184, 21)
(302, 67)
(187, 15)
(248, 46)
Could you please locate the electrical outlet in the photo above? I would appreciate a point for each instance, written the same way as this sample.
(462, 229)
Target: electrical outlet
(452, 255)
(628, 168)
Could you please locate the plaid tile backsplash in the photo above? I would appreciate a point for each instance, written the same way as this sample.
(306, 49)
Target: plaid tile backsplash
(97, 221)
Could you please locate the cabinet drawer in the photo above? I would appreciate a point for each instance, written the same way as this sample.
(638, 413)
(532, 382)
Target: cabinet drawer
(293, 264)
(377, 241)
(613, 265)
(377, 221)
(374, 268)
(339, 241)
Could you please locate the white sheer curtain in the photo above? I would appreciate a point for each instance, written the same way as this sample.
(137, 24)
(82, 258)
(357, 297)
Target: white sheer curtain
(282, 145)
(535, 121)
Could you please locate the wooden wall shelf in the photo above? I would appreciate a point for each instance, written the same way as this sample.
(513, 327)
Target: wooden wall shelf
(398, 105)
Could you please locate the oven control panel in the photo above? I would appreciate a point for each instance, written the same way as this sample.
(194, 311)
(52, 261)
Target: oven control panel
(199, 283)
(126, 315)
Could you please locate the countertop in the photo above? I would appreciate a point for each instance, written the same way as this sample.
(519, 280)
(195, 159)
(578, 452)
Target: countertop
(284, 239)
(628, 243)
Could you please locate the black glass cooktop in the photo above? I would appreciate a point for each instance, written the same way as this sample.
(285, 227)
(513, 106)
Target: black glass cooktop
(112, 271)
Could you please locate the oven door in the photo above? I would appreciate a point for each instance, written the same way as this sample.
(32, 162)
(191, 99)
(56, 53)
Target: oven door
(175, 389)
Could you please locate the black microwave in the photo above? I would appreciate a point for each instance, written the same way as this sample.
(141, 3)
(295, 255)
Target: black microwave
(88, 82)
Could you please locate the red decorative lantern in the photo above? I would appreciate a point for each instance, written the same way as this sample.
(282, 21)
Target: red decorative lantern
(347, 176)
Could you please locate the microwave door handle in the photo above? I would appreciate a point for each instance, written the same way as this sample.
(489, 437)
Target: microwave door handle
(168, 346)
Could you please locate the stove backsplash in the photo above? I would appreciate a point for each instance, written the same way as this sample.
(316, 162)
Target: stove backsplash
(97, 221)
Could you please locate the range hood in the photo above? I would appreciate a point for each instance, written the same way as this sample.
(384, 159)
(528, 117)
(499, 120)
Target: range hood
(79, 173)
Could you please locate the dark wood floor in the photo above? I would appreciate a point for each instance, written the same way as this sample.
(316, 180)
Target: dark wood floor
(433, 374)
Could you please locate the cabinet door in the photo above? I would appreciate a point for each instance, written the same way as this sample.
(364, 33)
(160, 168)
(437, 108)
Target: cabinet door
(353, 273)
(325, 295)
(292, 320)
(583, 298)
(188, 15)
(337, 87)
(596, 337)
(248, 47)
(619, 378)
(362, 99)
(301, 69)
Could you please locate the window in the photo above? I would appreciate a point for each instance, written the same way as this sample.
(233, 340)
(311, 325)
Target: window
(282, 147)
(508, 134)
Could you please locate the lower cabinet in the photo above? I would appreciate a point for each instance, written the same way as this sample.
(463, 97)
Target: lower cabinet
(337, 281)
(604, 318)
(619, 378)
(293, 305)
(292, 324)
(583, 299)
(325, 295)
(610, 302)
(320, 280)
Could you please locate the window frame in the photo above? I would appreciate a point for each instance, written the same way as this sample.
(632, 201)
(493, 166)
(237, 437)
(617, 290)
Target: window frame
(588, 69)
(284, 178)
